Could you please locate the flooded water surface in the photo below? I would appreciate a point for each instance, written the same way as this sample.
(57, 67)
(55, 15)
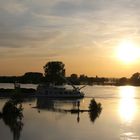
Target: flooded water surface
(117, 119)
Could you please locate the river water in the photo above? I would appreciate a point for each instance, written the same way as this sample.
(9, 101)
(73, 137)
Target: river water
(119, 118)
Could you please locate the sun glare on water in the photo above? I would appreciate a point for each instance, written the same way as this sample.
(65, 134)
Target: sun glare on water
(128, 52)
(127, 107)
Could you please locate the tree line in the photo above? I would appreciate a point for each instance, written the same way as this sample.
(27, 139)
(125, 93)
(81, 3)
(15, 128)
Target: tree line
(133, 80)
(29, 77)
(36, 78)
(54, 73)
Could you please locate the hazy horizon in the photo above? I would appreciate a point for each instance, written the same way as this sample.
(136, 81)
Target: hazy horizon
(84, 35)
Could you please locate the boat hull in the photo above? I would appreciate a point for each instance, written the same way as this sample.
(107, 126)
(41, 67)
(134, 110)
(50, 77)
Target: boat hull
(57, 92)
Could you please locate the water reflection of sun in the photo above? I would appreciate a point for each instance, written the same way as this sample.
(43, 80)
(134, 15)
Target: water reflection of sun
(127, 106)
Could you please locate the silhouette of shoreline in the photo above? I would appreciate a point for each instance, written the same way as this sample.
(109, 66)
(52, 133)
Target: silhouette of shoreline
(38, 78)
(55, 70)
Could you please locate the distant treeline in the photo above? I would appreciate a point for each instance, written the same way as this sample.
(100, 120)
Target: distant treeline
(85, 80)
(133, 80)
(29, 77)
(36, 78)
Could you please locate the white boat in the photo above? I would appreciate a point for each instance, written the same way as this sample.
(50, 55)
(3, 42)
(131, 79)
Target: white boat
(51, 91)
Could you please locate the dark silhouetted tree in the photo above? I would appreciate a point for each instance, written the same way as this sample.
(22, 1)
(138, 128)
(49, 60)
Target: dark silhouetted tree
(12, 116)
(135, 79)
(122, 81)
(94, 110)
(54, 72)
(32, 77)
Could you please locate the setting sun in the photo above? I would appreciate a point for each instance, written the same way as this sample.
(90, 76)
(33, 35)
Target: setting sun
(127, 52)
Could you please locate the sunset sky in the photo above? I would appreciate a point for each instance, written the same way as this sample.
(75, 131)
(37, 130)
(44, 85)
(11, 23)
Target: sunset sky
(84, 34)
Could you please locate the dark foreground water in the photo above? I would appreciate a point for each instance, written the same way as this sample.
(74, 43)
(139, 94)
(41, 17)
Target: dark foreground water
(119, 118)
